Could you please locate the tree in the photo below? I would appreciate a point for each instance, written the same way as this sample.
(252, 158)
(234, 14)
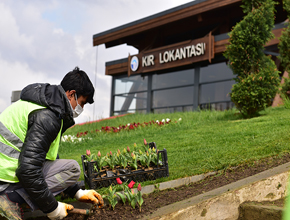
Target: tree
(284, 50)
(257, 76)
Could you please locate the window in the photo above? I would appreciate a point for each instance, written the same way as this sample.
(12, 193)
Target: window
(174, 91)
(130, 102)
(215, 92)
(130, 94)
(173, 97)
(173, 79)
(215, 72)
(131, 84)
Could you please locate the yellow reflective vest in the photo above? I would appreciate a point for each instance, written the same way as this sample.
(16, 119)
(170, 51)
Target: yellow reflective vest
(13, 129)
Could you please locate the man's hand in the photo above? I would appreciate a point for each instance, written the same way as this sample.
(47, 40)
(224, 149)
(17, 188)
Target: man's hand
(90, 196)
(60, 212)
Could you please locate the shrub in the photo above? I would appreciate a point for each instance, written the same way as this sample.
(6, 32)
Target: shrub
(284, 50)
(257, 76)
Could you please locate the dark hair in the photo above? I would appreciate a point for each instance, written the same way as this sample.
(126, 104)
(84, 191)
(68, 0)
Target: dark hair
(78, 80)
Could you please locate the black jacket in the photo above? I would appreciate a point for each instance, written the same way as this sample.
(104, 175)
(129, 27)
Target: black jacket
(43, 127)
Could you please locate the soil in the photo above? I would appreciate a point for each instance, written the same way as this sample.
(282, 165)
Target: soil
(162, 198)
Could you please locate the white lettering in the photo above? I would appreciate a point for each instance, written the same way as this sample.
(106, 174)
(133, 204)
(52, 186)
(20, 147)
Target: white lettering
(160, 58)
(177, 55)
(182, 53)
(144, 61)
(192, 51)
(188, 50)
(166, 56)
(198, 49)
(171, 56)
(150, 60)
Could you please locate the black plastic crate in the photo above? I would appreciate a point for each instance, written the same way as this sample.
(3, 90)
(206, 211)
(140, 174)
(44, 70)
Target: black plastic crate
(96, 180)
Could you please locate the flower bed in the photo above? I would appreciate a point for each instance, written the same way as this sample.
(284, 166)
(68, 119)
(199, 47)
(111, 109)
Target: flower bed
(127, 127)
(137, 165)
(111, 129)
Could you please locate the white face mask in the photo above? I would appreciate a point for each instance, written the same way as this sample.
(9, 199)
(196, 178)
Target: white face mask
(78, 109)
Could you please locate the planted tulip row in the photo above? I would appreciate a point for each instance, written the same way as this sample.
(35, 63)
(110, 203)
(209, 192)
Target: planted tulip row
(126, 158)
(133, 198)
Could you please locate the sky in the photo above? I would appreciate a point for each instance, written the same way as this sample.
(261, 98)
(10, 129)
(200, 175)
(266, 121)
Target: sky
(41, 41)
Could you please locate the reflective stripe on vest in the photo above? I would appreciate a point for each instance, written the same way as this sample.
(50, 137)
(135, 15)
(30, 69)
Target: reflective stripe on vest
(13, 139)
(13, 129)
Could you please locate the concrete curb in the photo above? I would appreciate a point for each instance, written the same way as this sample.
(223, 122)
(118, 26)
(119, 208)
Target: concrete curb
(174, 183)
(223, 202)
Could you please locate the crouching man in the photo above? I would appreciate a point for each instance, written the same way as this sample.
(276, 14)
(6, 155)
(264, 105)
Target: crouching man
(30, 132)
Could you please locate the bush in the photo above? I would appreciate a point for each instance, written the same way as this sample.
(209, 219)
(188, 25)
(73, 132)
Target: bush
(284, 50)
(255, 91)
(257, 76)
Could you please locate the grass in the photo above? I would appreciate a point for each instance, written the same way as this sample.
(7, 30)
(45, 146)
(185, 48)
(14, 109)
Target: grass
(201, 142)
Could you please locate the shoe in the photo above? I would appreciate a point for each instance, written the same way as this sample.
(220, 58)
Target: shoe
(9, 210)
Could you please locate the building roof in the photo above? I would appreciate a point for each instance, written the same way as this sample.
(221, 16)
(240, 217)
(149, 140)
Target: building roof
(122, 34)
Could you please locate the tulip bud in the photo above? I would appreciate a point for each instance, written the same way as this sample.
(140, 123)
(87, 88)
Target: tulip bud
(139, 187)
(149, 150)
(128, 149)
(119, 181)
(119, 152)
(111, 153)
(154, 149)
(140, 152)
(124, 151)
(110, 189)
(147, 153)
(99, 154)
(131, 184)
(145, 142)
(135, 145)
(88, 153)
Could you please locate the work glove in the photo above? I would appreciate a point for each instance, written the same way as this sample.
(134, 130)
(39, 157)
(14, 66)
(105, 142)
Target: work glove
(90, 196)
(60, 212)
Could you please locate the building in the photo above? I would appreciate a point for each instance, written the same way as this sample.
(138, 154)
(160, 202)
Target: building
(180, 65)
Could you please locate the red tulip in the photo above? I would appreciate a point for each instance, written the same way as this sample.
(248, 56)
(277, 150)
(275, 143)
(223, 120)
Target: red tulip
(99, 154)
(119, 181)
(128, 149)
(111, 153)
(139, 187)
(88, 153)
(145, 142)
(131, 184)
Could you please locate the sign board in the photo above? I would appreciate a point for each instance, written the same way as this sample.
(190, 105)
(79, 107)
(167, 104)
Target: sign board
(175, 55)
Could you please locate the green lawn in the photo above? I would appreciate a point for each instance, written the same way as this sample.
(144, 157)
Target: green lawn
(201, 142)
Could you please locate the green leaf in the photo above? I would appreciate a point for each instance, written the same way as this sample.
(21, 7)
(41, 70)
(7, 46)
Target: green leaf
(133, 203)
(122, 196)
